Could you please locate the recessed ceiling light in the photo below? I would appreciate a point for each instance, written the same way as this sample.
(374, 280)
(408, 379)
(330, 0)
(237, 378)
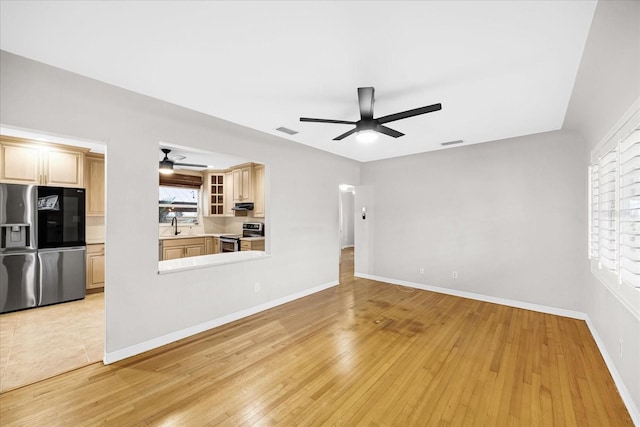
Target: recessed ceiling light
(444, 144)
(287, 130)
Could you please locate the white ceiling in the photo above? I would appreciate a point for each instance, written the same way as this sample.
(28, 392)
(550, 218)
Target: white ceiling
(500, 68)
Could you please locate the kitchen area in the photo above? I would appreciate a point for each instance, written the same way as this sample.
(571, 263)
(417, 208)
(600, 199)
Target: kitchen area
(51, 258)
(211, 212)
(52, 320)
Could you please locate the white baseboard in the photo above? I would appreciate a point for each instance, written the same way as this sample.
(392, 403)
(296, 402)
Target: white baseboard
(496, 300)
(617, 379)
(133, 350)
(622, 389)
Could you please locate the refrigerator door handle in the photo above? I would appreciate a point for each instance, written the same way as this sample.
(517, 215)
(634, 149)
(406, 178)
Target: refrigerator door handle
(72, 248)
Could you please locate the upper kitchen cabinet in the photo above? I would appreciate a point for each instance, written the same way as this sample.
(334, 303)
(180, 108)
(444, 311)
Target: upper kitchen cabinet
(94, 181)
(215, 194)
(243, 183)
(258, 191)
(228, 193)
(25, 162)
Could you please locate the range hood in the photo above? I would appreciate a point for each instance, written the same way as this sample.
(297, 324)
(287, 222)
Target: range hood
(243, 207)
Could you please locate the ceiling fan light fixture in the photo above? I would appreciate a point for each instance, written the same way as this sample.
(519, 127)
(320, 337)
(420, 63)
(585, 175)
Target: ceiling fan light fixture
(368, 127)
(366, 136)
(166, 167)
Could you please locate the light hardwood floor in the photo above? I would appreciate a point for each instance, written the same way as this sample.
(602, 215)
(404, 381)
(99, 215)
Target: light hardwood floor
(43, 342)
(361, 353)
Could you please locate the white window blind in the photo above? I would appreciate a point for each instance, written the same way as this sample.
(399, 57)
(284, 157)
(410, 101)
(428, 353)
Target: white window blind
(630, 208)
(594, 218)
(607, 224)
(614, 210)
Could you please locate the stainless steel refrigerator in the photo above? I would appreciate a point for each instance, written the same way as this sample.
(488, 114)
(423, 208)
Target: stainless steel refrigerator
(42, 245)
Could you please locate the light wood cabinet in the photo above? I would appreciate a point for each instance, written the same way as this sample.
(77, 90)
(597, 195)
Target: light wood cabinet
(252, 245)
(25, 162)
(228, 194)
(215, 193)
(242, 184)
(194, 250)
(211, 245)
(172, 253)
(95, 266)
(182, 248)
(94, 182)
(258, 191)
(63, 168)
(20, 164)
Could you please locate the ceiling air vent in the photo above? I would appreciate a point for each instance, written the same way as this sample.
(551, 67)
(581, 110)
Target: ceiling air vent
(444, 144)
(287, 130)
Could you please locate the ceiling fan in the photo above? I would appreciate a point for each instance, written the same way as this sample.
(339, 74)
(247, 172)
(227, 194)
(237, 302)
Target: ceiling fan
(167, 164)
(368, 127)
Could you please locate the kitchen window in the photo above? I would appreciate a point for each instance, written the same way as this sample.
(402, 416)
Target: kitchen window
(179, 203)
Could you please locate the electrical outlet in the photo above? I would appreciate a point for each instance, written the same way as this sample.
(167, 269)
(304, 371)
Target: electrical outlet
(256, 287)
(421, 270)
(454, 275)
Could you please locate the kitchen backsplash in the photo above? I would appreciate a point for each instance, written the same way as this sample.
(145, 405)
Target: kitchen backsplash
(232, 225)
(185, 230)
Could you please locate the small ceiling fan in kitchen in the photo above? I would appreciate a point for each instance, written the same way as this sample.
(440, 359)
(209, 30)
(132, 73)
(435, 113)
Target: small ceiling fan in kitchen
(367, 127)
(167, 164)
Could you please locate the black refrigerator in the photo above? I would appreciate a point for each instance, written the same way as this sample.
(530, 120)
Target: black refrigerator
(42, 246)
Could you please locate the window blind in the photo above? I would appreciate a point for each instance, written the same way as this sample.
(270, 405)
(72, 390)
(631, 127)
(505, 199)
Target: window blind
(614, 210)
(630, 208)
(594, 222)
(607, 232)
(180, 180)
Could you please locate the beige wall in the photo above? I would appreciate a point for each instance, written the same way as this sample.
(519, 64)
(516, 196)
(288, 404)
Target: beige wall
(507, 216)
(142, 306)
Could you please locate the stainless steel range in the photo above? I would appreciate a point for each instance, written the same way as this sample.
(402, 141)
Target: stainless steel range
(231, 243)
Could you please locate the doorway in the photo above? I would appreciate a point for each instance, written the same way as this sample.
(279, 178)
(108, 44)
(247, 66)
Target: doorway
(42, 342)
(346, 217)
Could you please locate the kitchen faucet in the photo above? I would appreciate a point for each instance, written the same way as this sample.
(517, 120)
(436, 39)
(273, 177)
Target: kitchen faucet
(174, 223)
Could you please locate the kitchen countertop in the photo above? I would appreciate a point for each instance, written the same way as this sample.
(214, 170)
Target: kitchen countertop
(193, 236)
(252, 239)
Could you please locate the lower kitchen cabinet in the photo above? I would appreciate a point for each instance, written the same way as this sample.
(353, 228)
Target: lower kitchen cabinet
(252, 245)
(95, 266)
(211, 245)
(181, 248)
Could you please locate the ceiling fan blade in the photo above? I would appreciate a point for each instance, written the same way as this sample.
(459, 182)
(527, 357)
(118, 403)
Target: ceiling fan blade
(189, 165)
(365, 99)
(341, 122)
(346, 134)
(388, 131)
(409, 113)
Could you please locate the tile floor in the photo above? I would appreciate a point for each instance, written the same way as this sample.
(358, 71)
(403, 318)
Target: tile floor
(43, 342)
